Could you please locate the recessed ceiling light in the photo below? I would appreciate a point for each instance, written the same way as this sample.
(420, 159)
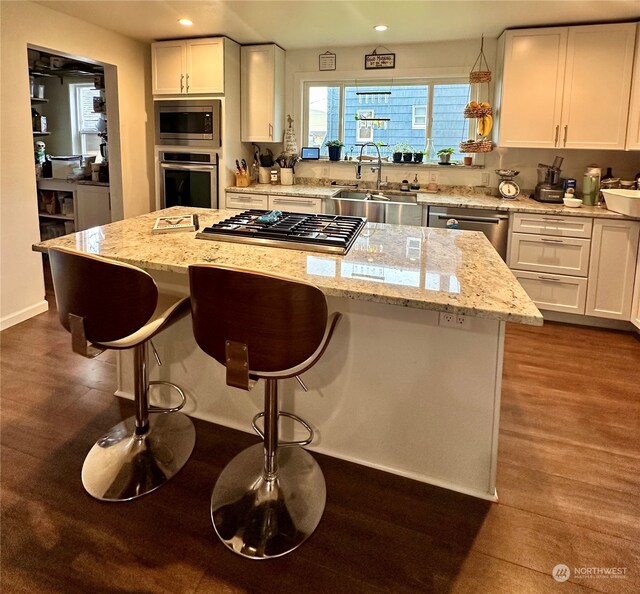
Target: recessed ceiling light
(186, 22)
(381, 27)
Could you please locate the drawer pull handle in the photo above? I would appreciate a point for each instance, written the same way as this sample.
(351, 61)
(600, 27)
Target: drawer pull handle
(285, 201)
(246, 199)
(549, 278)
(555, 142)
(552, 219)
(551, 240)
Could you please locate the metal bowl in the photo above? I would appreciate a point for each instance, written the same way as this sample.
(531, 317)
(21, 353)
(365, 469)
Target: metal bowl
(507, 172)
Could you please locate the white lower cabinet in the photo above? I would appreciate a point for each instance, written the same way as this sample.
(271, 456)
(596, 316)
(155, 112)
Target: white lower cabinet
(555, 292)
(635, 305)
(244, 201)
(295, 204)
(578, 265)
(93, 206)
(612, 269)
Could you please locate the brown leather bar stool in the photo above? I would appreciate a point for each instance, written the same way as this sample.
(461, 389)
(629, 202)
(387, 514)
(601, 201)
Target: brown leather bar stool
(269, 498)
(111, 305)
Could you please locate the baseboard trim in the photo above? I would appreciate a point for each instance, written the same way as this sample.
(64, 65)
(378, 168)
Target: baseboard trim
(580, 320)
(23, 314)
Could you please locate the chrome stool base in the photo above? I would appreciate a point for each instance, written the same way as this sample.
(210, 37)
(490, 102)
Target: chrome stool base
(261, 518)
(122, 465)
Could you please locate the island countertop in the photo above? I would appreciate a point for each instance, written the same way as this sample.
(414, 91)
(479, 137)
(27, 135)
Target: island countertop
(415, 267)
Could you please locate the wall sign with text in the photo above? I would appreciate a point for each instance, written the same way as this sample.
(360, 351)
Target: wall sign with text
(374, 61)
(327, 61)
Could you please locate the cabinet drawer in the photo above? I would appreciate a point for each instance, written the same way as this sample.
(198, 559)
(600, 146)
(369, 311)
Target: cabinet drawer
(552, 225)
(246, 201)
(295, 203)
(554, 292)
(556, 255)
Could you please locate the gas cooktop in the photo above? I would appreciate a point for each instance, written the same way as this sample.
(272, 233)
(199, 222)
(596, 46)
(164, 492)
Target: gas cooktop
(293, 230)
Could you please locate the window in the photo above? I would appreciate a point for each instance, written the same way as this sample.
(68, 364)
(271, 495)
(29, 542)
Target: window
(84, 120)
(419, 117)
(404, 112)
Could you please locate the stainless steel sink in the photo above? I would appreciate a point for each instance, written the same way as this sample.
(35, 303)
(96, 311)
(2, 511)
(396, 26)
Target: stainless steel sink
(400, 208)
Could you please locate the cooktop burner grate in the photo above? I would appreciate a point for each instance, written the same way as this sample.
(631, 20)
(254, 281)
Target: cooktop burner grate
(293, 230)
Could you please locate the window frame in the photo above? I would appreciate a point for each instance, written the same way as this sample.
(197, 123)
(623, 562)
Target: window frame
(441, 78)
(79, 135)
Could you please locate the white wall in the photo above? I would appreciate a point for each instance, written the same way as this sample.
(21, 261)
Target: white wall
(428, 59)
(22, 23)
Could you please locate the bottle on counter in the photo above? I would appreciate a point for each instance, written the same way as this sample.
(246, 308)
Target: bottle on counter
(591, 186)
(414, 184)
(607, 175)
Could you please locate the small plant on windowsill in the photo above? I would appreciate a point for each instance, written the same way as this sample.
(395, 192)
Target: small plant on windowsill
(397, 152)
(445, 155)
(418, 155)
(407, 153)
(335, 148)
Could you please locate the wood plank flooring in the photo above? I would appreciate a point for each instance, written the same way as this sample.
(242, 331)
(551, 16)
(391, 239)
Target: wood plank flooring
(568, 482)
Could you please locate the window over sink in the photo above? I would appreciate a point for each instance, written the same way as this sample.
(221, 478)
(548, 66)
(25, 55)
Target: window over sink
(404, 111)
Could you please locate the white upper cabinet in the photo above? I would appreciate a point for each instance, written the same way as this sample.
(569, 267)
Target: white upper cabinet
(262, 93)
(188, 66)
(633, 130)
(565, 87)
(531, 98)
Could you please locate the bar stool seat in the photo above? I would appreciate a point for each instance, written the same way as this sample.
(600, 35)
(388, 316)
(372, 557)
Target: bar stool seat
(112, 305)
(269, 499)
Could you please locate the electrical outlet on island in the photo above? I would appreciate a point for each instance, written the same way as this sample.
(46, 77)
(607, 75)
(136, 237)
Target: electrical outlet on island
(485, 180)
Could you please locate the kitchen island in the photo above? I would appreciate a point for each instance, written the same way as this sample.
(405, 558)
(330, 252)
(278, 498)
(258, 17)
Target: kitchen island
(411, 381)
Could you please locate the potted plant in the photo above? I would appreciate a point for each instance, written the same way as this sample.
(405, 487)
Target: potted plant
(335, 148)
(445, 155)
(418, 155)
(407, 153)
(397, 152)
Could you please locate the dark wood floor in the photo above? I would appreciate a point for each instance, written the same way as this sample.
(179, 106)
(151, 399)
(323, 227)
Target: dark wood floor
(568, 481)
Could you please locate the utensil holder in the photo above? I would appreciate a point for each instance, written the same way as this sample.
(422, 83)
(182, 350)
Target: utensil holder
(242, 180)
(264, 175)
(286, 176)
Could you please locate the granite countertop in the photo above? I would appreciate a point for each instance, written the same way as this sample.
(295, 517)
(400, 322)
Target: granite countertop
(418, 267)
(462, 197)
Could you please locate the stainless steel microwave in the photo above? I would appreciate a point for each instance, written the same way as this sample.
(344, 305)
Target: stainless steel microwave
(188, 123)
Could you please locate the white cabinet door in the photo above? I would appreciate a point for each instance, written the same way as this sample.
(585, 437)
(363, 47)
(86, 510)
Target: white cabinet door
(635, 306)
(531, 99)
(168, 67)
(555, 255)
(633, 128)
(93, 206)
(597, 84)
(612, 269)
(204, 66)
(555, 292)
(295, 203)
(262, 93)
(244, 201)
(552, 225)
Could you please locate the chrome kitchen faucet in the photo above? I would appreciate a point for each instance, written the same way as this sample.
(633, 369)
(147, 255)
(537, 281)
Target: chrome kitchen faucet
(378, 167)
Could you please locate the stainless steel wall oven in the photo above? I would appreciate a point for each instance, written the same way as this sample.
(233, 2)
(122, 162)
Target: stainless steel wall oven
(188, 179)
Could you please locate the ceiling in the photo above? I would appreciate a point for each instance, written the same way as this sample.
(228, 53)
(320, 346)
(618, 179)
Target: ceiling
(298, 24)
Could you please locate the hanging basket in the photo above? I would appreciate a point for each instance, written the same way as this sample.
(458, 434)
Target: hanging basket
(476, 146)
(480, 72)
(477, 112)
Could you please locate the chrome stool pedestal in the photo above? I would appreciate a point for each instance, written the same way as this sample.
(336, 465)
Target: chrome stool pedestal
(269, 499)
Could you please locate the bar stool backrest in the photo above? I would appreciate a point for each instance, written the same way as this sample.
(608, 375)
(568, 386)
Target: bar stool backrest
(114, 299)
(281, 321)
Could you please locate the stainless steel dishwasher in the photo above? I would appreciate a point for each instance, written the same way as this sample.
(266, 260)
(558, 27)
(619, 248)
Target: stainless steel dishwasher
(495, 225)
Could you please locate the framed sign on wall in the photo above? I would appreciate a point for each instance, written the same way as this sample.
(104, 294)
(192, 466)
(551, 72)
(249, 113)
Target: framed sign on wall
(375, 60)
(327, 61)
